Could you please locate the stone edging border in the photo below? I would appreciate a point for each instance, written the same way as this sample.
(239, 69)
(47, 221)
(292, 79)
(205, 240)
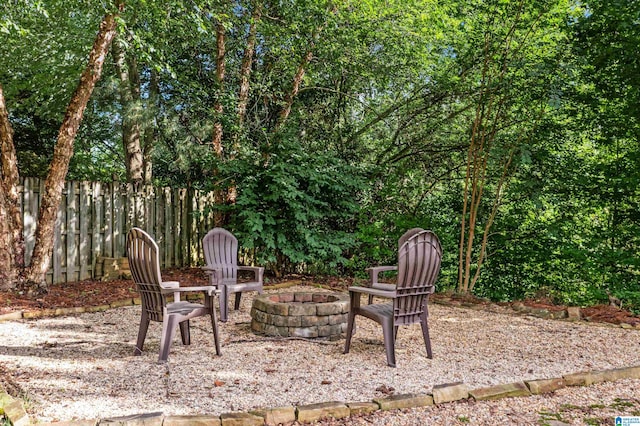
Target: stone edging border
(13, 408)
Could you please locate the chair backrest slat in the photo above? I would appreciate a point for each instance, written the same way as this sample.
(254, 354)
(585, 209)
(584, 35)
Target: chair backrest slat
(144, 263)
(419, 258)
(221, 251)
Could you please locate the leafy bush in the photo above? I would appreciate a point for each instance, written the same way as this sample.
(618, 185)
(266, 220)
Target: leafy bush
(297, 210)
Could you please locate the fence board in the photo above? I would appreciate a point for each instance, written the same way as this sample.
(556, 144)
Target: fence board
(84, 243)
(93, 218)
(119, 218)
(184, 227)
(30, 208)
(168, 228)
(58, 253)
(195, 221)
(108, 220)
(175, 224)
(72, 225)
(97, 225)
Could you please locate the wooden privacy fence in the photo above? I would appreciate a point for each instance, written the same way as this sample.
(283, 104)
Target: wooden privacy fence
(94, 218)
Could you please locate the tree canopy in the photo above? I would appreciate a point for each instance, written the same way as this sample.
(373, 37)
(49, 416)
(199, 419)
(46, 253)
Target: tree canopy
(328, 128)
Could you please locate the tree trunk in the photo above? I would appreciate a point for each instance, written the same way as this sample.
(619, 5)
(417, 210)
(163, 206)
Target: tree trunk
(218, 194)
(11, 238)
(220, 70)
(8, 271)
(297, 81)
(492, 215)
(150, 127)
(230, 194)
(247, 60)
(54, 183)
(491, 114)
(130, 99)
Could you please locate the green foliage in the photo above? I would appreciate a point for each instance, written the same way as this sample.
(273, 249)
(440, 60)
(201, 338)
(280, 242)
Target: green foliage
(629, 299)
(297, 208)
(377, 139)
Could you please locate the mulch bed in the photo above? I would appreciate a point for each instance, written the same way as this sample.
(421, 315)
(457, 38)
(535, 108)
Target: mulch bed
(94, 292)
(91, 292)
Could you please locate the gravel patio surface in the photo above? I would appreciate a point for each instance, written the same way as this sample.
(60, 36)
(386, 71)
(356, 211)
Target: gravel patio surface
(82, 366)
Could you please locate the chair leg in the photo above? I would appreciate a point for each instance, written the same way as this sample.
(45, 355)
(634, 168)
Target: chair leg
(216, 336)
(185, 333)
(210, 303)
(370, 299)
(168, 331)
(354, 305)
(142, 333)
(351, 321)
(224, 302)
(237, 304)
(389, 342)
(425, 333)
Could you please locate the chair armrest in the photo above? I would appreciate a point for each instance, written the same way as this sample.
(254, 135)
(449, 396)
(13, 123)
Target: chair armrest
(372, 291)
(215, 274)
(165, 285)
(210, 290)
(384, 286)
(375, 271)
(258, 271)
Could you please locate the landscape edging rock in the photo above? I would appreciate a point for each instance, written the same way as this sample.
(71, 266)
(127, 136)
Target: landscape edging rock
(318, 411)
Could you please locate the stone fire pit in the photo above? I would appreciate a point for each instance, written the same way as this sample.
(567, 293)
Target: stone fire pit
(300, 314)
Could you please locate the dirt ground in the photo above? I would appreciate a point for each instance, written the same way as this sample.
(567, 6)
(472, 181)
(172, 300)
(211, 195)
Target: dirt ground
(94, 292)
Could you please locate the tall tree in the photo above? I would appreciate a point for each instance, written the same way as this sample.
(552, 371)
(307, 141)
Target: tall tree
(515, 46)
(127, 72)
(32, 276)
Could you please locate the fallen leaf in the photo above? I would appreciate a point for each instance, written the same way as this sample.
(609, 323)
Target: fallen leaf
(218, 383)
(387, 390)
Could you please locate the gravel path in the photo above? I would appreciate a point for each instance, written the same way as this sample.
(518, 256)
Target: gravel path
(79, 367)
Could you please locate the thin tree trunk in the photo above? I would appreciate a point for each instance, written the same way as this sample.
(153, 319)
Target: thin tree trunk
(297, 81)
(480, 164)
(218, 194)
(220, 71)
(469, 178)
(130, 114)
(247, 61)
(465, 206)
(478, 157)
(492, 215)
(150, 127)
(54, 183)
(243, 93)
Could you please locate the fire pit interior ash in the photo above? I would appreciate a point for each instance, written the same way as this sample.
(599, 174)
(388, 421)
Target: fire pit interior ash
(300, 314)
